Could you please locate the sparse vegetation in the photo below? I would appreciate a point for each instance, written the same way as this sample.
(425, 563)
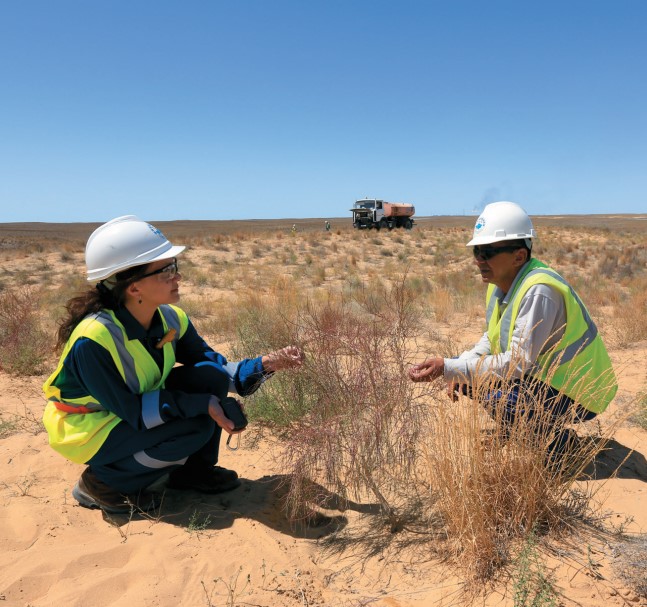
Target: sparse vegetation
(631, 563)
(532, 587)
(354, 426)
(639, 417)
(24, 344)
(351, 413)
(198, 522)
(364, 307)
(493, 482)
(26, 421)
(9, 427)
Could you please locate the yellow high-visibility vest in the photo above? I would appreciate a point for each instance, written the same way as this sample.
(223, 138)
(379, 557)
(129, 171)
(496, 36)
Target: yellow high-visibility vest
(77, 427)
(579, 365)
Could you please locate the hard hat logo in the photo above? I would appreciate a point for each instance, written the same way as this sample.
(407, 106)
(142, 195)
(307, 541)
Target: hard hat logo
(156, 231)
(123, 243)
(502, 221)
(480, 224)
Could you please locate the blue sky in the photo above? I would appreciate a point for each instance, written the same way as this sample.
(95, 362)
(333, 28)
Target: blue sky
(269, 109)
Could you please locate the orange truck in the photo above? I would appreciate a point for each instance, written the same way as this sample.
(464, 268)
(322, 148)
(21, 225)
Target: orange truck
(372, 213)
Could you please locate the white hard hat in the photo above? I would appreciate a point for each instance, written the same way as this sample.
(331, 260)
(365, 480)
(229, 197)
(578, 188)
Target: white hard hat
(502, 221)
(122, 243)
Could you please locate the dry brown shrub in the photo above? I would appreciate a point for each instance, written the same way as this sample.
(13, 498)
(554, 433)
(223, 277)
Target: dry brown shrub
(24, 344)
(494, 482)
(359, 418)
(629, 324)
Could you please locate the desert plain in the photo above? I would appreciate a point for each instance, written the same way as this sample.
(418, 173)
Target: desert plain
(241, 548)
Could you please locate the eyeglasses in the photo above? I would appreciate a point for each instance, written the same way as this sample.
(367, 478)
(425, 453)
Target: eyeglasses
(163, 274)
(485, 253)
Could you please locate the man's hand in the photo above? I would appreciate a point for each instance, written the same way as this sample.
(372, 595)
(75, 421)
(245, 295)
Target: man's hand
(428, 370)
(452, 391)
(218, 415)
(290, 357)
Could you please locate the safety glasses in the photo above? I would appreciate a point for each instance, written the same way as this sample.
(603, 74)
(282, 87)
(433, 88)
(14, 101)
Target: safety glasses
(163, 274)
(484, 253)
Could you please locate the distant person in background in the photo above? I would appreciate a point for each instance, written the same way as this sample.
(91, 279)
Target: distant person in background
(539, 335)
(327, 226)
(294, 228)
(117, 402)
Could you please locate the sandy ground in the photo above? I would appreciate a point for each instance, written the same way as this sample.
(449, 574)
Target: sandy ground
(238, 548)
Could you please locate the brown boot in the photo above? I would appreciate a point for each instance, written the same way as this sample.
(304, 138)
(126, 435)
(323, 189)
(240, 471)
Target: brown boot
(90, 492)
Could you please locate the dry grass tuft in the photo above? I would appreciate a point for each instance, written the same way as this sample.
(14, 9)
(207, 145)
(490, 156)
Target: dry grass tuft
(493, 487)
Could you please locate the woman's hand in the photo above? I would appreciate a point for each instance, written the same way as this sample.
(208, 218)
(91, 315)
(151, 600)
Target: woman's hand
(218, 415)
(290, 357)
(427, 370)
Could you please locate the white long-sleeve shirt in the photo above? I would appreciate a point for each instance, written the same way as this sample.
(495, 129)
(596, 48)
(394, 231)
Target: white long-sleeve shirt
(540, 324)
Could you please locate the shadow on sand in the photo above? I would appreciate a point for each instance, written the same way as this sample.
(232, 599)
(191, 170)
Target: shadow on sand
(616, 460)
(260, 500)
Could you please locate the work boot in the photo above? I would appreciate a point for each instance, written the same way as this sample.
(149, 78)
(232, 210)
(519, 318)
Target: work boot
(90, 492)
(214, 479)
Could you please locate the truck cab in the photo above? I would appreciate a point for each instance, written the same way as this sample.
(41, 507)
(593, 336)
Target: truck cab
(367, 212)
(375, 213)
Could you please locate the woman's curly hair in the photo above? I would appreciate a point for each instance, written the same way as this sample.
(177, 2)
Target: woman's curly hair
(95, 299)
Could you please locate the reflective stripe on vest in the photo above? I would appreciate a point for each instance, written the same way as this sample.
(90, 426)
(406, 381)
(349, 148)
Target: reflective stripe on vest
(78, 427)
(170, 320)
(568, 353)
(579, 364)
(124, 359)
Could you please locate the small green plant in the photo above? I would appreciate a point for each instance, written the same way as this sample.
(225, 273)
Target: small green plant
(621, 528)
(28, 421)
(198, 522)
(532, 586)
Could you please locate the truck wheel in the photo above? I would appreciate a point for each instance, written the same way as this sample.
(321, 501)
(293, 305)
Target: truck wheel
(408, 224)
(355, 224)
(384, 224)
